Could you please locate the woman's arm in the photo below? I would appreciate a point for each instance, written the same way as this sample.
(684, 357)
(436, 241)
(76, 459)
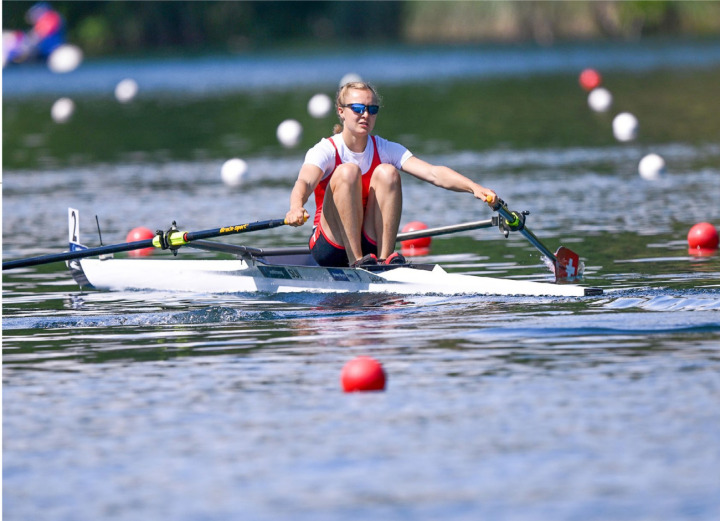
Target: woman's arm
(307, 180)
(447, 178)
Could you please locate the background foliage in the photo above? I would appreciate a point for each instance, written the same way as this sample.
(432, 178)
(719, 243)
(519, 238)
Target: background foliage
(102, 28)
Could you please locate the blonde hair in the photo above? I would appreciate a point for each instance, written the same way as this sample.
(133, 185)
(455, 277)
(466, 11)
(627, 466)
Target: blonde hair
(342, 91)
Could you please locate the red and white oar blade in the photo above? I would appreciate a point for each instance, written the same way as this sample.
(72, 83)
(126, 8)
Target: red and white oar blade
(568, 263)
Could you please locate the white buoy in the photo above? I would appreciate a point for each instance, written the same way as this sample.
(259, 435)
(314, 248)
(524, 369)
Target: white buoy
(651, 167)
(320, 105)
(350, 76)
(233, 171)
(11, 40)
(625, 127)
(289, 133)
(65, 58)
(62, 110)
(126, 90)
(600, 99)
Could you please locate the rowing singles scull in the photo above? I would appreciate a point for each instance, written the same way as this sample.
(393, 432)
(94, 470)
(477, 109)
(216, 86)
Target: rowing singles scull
(283, 270)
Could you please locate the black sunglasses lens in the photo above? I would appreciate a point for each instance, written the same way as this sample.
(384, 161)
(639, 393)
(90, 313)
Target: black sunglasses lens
(373, 109)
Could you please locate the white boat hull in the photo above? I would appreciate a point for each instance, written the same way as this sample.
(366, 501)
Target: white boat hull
(239, 276)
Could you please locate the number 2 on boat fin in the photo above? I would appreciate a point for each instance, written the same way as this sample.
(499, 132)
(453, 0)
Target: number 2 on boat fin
(74, 230)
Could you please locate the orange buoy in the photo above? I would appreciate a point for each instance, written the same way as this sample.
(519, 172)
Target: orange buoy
(363, 374)
(590, 79)
(702, 239)
(140, 234)
(415, 247)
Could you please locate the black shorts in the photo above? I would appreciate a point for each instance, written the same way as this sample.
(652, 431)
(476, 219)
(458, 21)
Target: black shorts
(327, 253)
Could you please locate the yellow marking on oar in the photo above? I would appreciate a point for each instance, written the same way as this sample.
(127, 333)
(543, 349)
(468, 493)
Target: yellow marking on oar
(174, 239)
(234, 229)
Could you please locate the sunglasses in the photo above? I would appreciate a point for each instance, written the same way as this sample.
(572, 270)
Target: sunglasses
(359, 108)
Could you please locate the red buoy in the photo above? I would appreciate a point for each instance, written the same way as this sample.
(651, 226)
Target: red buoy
(415, 247)
(140, 234)
(702, 239)
(590, 79)
(363, 374)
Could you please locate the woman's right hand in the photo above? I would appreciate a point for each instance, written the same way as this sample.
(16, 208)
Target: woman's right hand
(296, 217)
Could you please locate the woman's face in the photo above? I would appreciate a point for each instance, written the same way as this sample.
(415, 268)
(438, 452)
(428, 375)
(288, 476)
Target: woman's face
(354, 122)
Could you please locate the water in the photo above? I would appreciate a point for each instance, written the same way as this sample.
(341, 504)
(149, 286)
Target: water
(134, 405)
(204, 75)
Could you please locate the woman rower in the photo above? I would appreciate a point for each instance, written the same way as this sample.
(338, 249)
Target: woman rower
(356, 180)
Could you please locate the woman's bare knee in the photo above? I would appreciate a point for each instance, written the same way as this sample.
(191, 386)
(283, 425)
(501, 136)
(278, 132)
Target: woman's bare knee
(386, 175)
(346, 174)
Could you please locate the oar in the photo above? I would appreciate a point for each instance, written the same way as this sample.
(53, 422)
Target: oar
(565, 261)
(443, 230)
(171, 239)
(299, 250)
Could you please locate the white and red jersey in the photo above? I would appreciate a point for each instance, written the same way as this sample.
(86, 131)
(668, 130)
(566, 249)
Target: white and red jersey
(331, 152)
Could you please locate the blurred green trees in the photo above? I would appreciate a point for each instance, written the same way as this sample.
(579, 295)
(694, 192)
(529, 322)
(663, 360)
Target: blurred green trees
(102, 28)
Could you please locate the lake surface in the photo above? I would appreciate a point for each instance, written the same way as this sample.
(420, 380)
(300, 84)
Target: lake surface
(203, 75)
(136, 405)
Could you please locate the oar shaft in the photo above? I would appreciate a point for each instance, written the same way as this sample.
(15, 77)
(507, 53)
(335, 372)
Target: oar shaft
(173, 239)
(415, 234)
(443, 230)
(540, 246)
(230, 230)
(530, 236)
(268, 252)
(77, 254)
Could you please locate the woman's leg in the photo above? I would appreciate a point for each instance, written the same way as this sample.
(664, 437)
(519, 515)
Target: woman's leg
(342, 213)
(384, 208)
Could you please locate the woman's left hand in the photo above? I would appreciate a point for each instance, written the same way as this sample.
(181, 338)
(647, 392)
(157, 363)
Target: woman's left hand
(487, 195)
